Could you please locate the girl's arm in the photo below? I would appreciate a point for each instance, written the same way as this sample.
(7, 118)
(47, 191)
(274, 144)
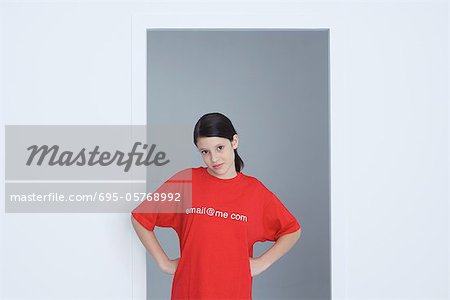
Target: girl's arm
(149, 240)
(280, 248)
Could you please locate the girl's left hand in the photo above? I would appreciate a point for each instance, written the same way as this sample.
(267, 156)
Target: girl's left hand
(256, 266)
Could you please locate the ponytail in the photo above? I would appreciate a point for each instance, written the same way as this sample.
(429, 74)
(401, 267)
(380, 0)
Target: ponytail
(238, 162)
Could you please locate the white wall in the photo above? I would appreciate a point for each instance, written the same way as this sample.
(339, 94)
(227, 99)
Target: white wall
(83, 63)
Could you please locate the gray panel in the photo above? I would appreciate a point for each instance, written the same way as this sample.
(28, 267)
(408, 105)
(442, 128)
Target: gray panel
(274, 86)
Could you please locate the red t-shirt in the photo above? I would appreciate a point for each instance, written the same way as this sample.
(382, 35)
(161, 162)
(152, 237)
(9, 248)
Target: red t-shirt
(217, 233)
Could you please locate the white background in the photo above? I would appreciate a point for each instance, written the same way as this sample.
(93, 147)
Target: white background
(84, 63)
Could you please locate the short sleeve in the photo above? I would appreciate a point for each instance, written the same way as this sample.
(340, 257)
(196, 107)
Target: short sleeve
(164, 214)
(276, 219)
(150, 220)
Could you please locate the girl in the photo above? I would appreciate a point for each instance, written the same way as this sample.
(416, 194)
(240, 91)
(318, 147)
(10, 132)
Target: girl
(230, 211)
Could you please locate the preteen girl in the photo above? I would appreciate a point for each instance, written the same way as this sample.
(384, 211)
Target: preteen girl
(228, 213)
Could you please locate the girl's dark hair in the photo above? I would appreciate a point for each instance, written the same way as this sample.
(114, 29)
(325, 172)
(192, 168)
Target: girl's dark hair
(217, 125)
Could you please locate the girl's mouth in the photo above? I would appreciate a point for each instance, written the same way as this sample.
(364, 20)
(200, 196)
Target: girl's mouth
(217, 166)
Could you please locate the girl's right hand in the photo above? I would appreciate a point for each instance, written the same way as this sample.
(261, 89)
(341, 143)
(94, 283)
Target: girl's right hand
(170, 266)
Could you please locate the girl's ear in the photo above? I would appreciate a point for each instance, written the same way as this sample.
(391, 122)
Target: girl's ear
(235, 142)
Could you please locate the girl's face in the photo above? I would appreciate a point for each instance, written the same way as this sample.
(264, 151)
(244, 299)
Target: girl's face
(218, 155)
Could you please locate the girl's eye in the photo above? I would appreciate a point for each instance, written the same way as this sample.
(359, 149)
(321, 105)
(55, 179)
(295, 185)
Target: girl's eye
(220, 147)
(203, 152)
